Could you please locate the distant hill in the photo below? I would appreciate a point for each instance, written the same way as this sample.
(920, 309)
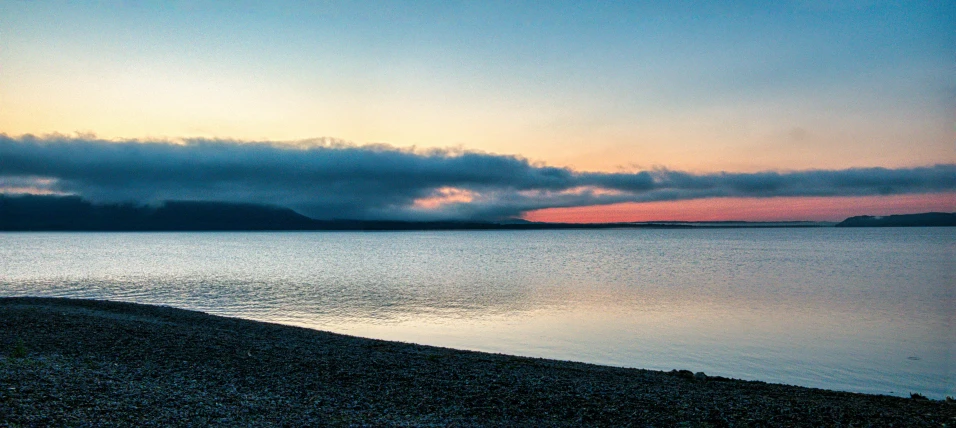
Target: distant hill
(902, 220)
(32, 212)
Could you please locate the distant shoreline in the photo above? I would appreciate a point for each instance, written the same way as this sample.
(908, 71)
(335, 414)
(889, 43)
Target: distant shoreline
(412, 227)
(72, 214)
(75, 362)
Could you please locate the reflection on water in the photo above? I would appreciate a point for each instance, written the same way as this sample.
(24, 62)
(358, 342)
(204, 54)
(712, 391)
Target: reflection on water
(867, 310)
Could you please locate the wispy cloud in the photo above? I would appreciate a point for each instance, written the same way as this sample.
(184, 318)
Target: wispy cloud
(326, 179)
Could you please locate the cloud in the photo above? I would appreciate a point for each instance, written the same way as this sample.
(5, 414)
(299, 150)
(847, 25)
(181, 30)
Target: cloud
(326, 179)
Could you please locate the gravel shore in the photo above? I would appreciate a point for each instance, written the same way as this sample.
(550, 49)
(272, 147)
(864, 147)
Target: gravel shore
(93, 363)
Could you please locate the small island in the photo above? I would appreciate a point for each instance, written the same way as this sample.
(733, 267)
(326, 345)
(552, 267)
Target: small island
(902, 220)
(70, 362)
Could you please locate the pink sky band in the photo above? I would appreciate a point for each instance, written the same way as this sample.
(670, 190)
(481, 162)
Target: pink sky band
(751, 209)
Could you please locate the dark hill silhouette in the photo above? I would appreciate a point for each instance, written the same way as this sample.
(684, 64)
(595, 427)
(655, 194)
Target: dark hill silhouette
(32, 212)
(901, 220)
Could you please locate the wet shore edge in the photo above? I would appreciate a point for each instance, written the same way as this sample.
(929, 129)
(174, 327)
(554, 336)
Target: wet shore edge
(87, 362)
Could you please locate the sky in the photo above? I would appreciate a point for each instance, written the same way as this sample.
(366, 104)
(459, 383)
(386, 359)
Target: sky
(549, 111)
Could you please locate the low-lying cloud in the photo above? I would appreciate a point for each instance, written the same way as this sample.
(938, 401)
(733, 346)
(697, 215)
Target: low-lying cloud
(336, 180)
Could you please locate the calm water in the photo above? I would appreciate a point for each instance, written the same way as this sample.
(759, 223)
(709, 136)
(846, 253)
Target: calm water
(869, 310)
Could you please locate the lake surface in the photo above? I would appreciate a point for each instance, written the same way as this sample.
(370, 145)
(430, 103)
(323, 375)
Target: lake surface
(866, 310)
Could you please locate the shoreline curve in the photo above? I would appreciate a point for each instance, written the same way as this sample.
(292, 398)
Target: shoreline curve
(93, 362)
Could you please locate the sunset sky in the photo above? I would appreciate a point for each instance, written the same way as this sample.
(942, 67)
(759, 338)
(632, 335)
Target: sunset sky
(550, 111)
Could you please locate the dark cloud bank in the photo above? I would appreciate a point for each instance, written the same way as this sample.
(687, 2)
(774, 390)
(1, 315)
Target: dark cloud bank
(327, 180)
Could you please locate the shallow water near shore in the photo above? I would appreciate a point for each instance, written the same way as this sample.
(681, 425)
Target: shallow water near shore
(865, 310)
